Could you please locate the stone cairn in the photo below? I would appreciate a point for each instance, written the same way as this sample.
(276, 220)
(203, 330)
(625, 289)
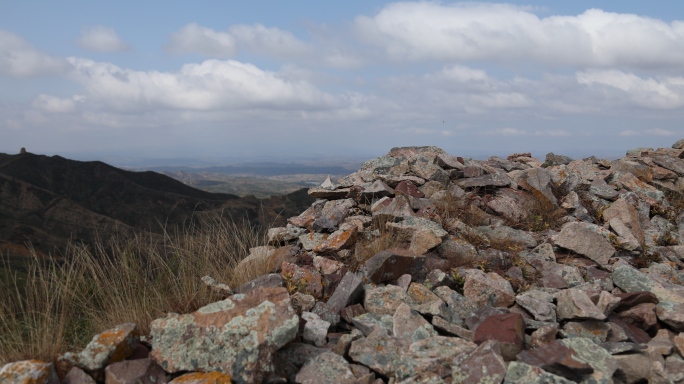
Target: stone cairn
(505, 270)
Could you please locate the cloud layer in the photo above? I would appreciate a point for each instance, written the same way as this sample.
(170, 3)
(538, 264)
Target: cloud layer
(413, 73)
(508, 34)
(18, 58)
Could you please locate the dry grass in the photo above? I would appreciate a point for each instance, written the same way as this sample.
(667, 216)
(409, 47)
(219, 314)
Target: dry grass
(377, 240)
(118, 281)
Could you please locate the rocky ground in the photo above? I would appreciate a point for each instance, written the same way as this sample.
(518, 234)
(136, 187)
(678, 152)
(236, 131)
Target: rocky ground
(423, 267)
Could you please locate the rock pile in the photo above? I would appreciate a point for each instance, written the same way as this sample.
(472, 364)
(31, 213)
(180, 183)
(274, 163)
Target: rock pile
(423, 267)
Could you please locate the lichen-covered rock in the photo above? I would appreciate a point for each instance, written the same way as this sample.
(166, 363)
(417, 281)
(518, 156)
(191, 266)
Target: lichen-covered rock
(108, 347)
(458, 306)
(596, 331)
(237, 336)
(384, 300)
(632, 280)
(488, 289)
(410, 326)
(426, 302)
(521, 373)
(326, 368)
(588, 352)
(391, 264)
(28, 372)
(368, 322)
(304, 279)
(385, 355)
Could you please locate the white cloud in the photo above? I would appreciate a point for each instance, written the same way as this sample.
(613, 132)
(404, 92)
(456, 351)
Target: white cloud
(55, 104)
(507, 34)
(210, 85)
(19, 58)
(655, 93)
(257, 38)
(194, 38)
(629, 132)
(510, 132)
(660, 132)
(552, 132)
(101, 39)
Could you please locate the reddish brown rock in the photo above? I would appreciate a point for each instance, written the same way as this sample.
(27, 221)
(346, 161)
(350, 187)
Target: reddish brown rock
(558, 359)
(642, 316)
(142, 371)
(351, 312)
(77, 376)
(408, 188)
(631, 299)
(508, 329)
(633, 333)
(392, 263)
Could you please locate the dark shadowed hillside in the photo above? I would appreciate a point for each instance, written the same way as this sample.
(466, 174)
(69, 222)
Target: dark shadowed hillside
(48, 200)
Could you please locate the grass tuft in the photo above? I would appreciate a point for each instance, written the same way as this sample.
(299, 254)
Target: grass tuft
(57, 307)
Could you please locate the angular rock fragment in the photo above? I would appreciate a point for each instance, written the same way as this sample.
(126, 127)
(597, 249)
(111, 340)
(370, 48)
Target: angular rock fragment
(574, 304)
(384, 300)
(508, 329)
(410, 326)
(315, 329)
(482, 365)
(585, 239)
(251, 327)
(488, 289)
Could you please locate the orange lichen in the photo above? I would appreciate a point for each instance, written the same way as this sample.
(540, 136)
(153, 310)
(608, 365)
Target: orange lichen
(203, 378)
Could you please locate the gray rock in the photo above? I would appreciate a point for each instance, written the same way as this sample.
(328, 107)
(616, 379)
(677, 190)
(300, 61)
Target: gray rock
(574, 304)
(348, 292)
(368, 322)
(539, 307)
(586, 240)
(326, 368)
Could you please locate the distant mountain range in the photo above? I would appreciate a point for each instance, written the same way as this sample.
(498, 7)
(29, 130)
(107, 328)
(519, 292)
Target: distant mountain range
(46, 201)
(259, 169)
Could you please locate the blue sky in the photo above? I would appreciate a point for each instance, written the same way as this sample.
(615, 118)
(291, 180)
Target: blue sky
(222, 81)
